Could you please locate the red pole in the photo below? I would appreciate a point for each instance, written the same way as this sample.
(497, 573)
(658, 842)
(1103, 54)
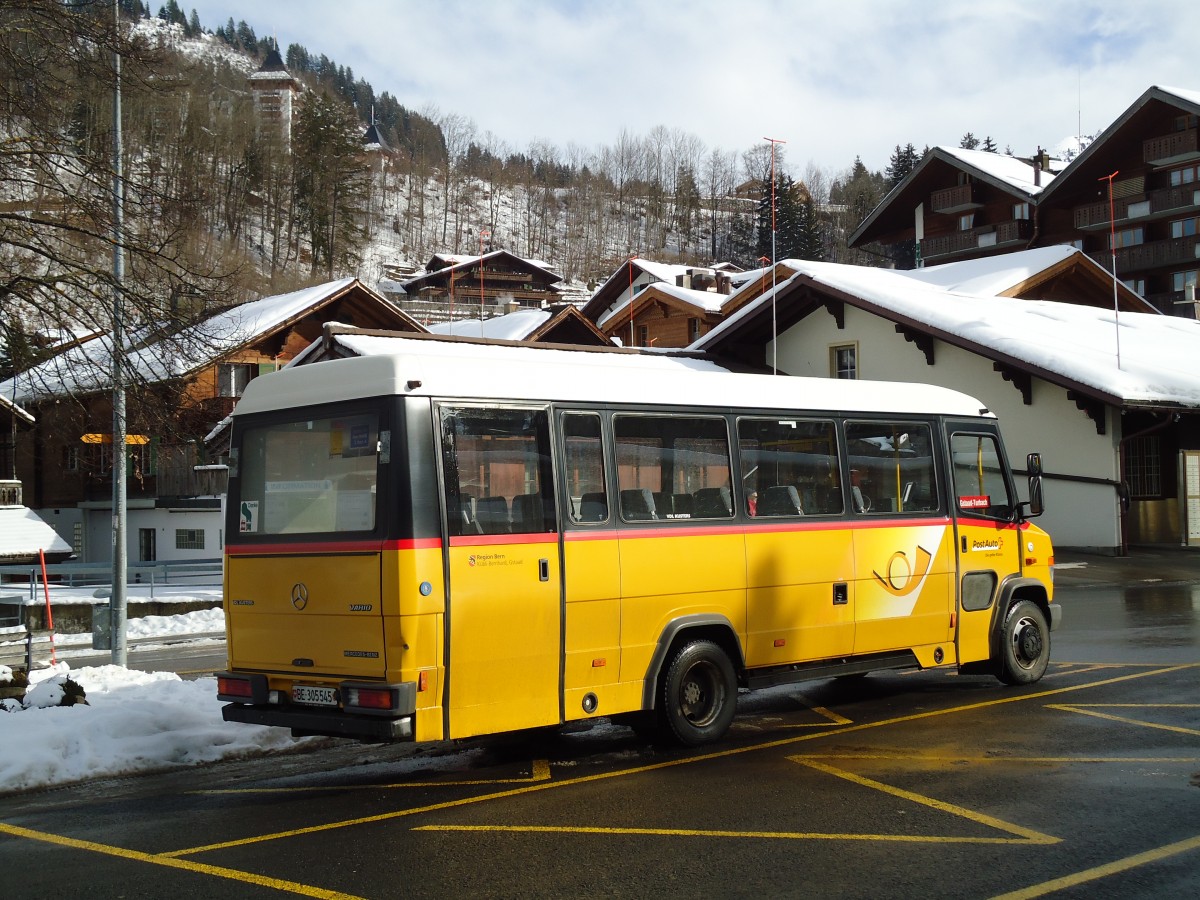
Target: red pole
(49, 608)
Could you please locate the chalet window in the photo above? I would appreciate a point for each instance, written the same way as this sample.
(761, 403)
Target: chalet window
(1128, 237)
(1020, 211)
(1137, 285)
(1186, 175)
(1184, 228)
(966, 222)
(232, 378)
(693, 329)
(643, 336)
(189, 538)
(1181, 281)
(70, 459)
(843, 361)
(1143, 467)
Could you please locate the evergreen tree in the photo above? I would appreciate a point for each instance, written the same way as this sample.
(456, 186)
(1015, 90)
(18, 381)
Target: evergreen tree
(900, 166)
(989, 145)
(969, 142)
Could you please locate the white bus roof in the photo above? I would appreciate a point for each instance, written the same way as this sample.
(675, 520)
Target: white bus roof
(476, 371)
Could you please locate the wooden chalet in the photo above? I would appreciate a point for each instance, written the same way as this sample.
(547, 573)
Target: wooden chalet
(495, 280)
(561, 324)
(963, 204)
(181, 386)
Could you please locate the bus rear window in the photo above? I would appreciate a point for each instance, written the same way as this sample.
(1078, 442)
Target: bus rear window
(316, 476)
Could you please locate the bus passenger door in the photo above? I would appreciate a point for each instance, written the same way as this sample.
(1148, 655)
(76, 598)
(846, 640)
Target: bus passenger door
(504, 595)
(988, 545)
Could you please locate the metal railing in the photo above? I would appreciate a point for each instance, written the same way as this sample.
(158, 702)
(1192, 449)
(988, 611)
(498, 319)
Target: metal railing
(155, 575)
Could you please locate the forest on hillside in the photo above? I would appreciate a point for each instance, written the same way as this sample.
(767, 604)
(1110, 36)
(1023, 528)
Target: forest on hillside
(218, 209)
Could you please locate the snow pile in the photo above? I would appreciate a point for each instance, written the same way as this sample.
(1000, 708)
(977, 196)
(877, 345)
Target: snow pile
(132, 722)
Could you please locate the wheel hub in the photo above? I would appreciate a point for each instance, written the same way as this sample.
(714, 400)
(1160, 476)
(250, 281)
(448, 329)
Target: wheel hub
(1029, 642)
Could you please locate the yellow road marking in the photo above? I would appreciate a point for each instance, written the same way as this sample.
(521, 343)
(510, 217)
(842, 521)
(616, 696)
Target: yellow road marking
(293, 887)
(540, 772)
(1089, 710)
(944, 758)
(1028, 834)
(755, 835)
(717, 754)
(1112, 868)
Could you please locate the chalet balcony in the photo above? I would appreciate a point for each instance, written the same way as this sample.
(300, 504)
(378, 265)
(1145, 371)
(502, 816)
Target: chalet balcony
(1155, 204)
(1174, 146)
(959, 198)
(1151, 255)
(984, 237)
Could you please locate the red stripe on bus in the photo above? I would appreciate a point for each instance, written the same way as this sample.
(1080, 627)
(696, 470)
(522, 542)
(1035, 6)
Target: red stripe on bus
(308, 547)
(491, 540)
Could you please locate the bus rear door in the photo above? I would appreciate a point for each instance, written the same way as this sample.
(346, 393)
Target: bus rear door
(504, 594)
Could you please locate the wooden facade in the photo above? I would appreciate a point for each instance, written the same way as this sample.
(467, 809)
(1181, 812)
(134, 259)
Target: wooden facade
(958, 204)
(66, 457)
(495, 281)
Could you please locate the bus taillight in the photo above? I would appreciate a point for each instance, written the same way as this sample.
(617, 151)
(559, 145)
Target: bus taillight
(369, 697)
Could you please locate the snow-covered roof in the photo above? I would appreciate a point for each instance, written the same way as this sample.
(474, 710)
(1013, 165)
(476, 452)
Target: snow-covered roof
(709, 301)
(23, 533)
(514, 326)
(87, 368)
(16, 411)
(1061, 342)
(1016, 173)
(414, 366)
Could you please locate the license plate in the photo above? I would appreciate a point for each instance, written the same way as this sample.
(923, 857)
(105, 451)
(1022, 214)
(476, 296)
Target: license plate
(314, 696)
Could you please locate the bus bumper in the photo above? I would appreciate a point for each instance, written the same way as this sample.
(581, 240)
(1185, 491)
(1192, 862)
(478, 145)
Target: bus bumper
(335, 723)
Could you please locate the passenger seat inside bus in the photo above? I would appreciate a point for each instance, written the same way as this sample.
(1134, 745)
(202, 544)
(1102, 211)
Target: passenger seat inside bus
(780, 500)
(637, 504)
(492, 515)
(713, 503)
(593, 507)
(528, 516)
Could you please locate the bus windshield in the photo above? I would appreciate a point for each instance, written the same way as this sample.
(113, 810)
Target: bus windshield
(310, 476)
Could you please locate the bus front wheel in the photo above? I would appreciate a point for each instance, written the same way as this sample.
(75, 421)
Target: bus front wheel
(699, 695)
(1025, 644)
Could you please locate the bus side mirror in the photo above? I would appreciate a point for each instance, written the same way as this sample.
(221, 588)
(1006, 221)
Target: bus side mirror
(1033, 464)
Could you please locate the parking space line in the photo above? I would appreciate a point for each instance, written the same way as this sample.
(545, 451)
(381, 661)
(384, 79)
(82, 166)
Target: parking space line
(540, 771)
(1028, 835)
(744, 835)
(704, 757)
(1112, 868)
(1090, 710)
(293, 887)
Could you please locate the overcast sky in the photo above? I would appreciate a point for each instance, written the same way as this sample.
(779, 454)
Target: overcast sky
(833, 80)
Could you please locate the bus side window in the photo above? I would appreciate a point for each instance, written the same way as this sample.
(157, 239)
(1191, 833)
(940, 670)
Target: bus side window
(497, 471)
(891, 467)
(790, 466)
(671, 468)
(583, 453)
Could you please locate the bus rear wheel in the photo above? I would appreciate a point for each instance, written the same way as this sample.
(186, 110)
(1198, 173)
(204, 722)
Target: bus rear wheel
(699, 694)
(1025, 644)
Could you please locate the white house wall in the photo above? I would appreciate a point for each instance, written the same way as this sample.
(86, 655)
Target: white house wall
(1078, 514)
(164, 522)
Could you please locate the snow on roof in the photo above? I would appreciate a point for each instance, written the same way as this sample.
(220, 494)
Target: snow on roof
(1012, 171)
(993, 275)
(88, 367)
(709, 301)
(413, 366)
(514, 326)
(23, 533)
(1077, 343)
(1182, 93)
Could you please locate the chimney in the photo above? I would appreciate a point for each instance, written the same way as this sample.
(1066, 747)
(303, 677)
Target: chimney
(1037, 168)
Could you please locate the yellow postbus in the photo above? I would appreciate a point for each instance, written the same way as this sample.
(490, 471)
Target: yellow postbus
(446, 539)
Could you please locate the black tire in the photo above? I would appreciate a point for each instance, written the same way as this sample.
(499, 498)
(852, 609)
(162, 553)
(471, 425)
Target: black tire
(699, 694)
(1024, 644)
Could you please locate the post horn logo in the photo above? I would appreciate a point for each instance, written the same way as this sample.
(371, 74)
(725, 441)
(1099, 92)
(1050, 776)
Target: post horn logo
(299, 595)
(901, 576)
